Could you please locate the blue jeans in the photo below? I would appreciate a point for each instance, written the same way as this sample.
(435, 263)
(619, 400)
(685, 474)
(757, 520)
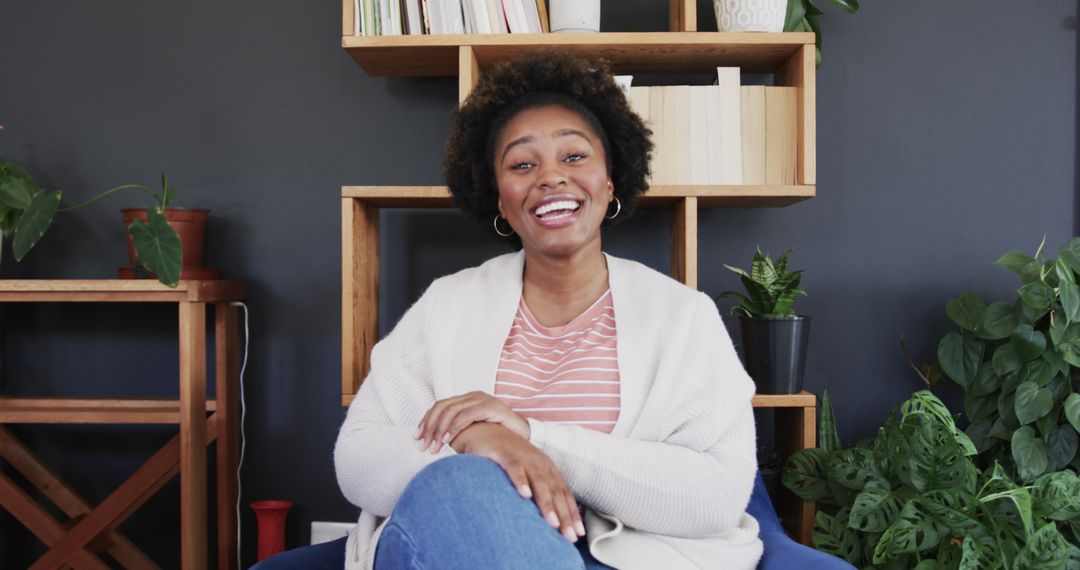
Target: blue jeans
(459, 512)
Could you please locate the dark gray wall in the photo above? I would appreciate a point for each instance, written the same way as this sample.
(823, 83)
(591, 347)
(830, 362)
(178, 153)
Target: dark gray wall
(946, 135)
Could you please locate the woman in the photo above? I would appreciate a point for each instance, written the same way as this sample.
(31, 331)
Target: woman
(555, 407)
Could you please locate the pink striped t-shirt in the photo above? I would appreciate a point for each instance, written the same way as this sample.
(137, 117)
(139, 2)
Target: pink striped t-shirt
(567, 374)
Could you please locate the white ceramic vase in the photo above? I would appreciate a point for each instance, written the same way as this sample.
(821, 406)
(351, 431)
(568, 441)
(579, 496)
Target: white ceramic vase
(750, 15)
(574, 15)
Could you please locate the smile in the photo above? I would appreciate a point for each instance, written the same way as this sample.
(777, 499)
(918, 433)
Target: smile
(556, 209)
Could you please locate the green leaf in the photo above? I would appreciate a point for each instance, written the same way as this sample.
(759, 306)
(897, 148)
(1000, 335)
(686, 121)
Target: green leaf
(1028, 342)
(1061, 447)
(1070, 254)
(1064, 272)
(1014, 261)
(997, 321)
(828, 436)
(959, 356)
(1045, 551)
(167, 192)
(979, 432)
(832, 536)
(1037, 295)
(158, 246)
(977, 557)
(1072, 410)
(986, 381)
(915, 531)
(855, 469)
(1032, 272)
(1070, 301)
(875, 508)
(17, 193)
(850, 6)
(34, 221)
(1056, 496)
(977, 408)
(1006, 359)
(796, 11)
(1032, 402)
(804, 474)
(935, 460)
(1019, 500)
(1029, 452)
(966, 310)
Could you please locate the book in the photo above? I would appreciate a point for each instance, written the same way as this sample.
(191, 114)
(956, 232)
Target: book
(468, 16)
(532, 16)
(698, 136)
(677, 103)
(498, 18)
(753, 134)
(414, 24)
(729, 129)
(358, 18)
(541, 9)
(656, 119)
(781, 157)
(639, 102)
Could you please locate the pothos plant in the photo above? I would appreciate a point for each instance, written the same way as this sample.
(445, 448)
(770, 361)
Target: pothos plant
(26, 211)
(1016, 361)
(805, 16)
(771, 290)
(912, 497)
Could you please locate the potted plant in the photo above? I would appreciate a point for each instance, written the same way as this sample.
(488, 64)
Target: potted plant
(1018, 362)
(804, 16)
(155, 247)
(912, 497)
(776, 16)
(774, 338)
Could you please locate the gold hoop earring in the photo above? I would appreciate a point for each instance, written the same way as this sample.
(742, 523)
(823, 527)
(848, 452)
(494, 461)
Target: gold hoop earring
(618, 208)
(495, 224)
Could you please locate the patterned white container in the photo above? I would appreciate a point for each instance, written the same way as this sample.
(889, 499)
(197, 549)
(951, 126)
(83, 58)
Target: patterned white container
(574, 15)
(750, 15)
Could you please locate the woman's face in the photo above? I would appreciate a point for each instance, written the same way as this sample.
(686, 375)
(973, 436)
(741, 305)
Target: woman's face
(553, 182)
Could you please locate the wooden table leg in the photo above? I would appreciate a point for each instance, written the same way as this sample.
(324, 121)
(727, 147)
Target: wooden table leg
(192, 435)
(228, 441)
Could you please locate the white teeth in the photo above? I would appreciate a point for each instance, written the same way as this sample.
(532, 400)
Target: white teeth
(559, 205)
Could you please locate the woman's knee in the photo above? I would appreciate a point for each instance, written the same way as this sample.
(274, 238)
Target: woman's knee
(456, 478)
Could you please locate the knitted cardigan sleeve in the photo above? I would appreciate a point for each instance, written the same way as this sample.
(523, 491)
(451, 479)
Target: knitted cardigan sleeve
(376, 456)
(696, 479)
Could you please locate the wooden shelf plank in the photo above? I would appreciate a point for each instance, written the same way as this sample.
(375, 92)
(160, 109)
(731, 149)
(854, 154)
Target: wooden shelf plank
(92, 410)
(657, 196)
(629, 52)
(118, 290)
(800, 400)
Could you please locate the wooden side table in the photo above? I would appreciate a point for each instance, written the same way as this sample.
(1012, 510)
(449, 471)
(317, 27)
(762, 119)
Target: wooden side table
(795, 418)
(91, 530)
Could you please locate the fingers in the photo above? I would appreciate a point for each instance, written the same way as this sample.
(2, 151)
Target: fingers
(557, 504)
(426, 431)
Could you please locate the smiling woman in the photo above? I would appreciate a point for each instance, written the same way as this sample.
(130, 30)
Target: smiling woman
(606, 414)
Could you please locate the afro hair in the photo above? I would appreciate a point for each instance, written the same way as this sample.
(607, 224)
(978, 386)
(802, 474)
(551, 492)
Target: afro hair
(537, 79)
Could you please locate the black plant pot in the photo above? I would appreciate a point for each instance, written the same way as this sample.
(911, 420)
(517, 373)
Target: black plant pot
(774, 352)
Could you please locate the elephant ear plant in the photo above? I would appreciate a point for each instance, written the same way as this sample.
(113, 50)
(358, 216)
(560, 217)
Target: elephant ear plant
(1017, 362)
(912, 497)
(26, 211)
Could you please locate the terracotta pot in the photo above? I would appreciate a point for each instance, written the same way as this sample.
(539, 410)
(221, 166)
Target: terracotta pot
(190, 224)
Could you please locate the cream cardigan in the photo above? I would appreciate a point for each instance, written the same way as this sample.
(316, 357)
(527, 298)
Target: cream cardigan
(668, 488)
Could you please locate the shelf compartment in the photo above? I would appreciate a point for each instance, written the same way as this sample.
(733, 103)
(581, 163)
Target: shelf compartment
(628, 52)
(118, 290)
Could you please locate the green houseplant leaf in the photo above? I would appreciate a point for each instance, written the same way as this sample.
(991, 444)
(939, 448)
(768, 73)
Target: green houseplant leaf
(804, 474)
(1014, 261)
(1029, 452)
(1072, 410)
(1037, 295)
(1032, 402)
(34, 221)
(997, 321)
(1070, 254)
(875, 509)
(1028, 343)
(966, 310)
(17, 193)
(1045, 551)
(158, 246)
(832, 536)
(960, 356)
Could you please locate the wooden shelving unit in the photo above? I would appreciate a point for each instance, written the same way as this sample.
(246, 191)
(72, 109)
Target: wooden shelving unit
(789, 57)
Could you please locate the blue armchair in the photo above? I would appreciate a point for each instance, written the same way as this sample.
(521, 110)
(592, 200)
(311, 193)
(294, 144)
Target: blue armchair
(781, 552)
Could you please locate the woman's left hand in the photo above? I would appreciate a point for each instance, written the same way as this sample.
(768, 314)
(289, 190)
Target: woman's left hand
(445, 420)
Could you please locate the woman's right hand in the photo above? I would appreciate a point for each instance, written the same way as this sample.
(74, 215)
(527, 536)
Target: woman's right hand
(532, 472)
